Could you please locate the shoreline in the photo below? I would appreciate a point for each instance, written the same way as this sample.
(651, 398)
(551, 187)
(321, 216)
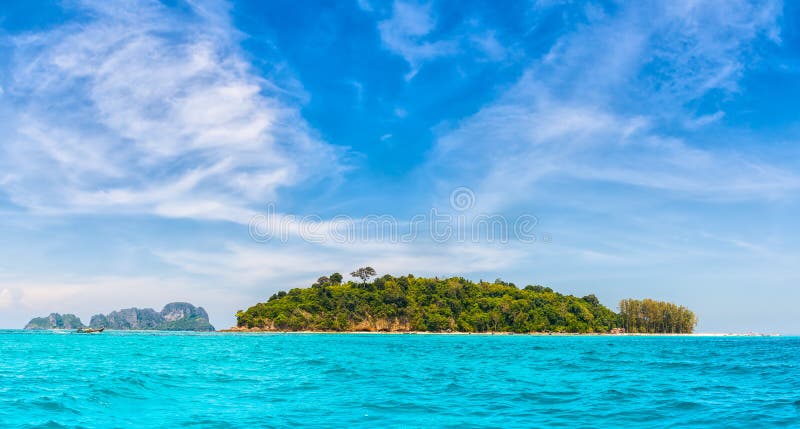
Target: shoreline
(236, 330)
(488, 334)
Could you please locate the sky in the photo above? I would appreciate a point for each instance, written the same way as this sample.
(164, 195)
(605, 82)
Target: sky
(217, 152)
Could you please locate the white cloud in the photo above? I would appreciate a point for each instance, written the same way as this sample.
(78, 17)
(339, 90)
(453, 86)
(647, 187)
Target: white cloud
(7, 298)
(706, 46)
(364, 5)
(704, 120)
(587, 111)
(488, 44)
(411, 32)
(289, 265)
(659, 56)
(147, 111)
(407, 31)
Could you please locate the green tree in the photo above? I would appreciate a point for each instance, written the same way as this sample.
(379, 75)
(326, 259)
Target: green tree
(591, 299)
(322, 282)
(364, 274)
(650, 316)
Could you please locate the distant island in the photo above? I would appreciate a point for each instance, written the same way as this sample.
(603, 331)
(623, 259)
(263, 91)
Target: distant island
(176, 316)
(56, 321)
(409, 303)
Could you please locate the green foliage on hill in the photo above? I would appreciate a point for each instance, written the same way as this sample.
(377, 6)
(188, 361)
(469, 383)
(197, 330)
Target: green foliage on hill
(427, 304)
(192, 323)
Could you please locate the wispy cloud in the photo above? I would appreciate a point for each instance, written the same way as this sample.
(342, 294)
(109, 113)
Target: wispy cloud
(406, 33)
(149, 110)
(659, 57)
(411, 31)
(588, 110)
(288, 265)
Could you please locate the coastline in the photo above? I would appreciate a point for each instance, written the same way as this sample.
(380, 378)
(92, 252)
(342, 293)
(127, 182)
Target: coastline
(529, 334)
(256, 331)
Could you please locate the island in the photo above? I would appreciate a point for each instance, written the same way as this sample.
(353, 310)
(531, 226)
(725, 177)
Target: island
(175, 316)
(56, 321)
(419, 304)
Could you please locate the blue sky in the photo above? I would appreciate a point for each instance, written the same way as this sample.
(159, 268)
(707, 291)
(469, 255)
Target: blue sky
(655, 143)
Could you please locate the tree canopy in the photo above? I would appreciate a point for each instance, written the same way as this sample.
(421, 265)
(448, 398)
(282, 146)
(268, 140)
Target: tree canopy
(409, 303)
(649, 316)
(364, 273)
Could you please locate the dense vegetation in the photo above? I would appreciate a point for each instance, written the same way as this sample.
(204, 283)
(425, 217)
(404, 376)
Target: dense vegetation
(427, 304)
(649, 316)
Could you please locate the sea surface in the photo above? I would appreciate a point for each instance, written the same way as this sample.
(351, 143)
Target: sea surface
(219, 380)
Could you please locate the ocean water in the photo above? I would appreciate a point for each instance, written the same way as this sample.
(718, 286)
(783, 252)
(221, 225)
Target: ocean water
(138, 379)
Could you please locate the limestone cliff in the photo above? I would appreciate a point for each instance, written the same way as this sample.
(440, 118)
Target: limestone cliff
(176, 316)
(55, 321)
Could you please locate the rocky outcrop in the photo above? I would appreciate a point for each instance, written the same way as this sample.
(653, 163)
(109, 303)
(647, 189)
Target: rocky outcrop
(182, 310)
(56, 321)
(128, 318)
(176, 316)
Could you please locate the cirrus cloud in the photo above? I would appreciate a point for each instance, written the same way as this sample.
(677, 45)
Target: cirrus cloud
(142, 109)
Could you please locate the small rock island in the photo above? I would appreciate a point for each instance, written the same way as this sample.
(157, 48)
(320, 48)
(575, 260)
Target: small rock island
(175, 316)
(56, 321)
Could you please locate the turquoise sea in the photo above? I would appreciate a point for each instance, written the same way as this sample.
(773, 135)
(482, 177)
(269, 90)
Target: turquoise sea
(137, 379)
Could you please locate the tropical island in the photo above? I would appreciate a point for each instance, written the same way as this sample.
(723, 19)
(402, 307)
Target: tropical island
(175, 316)
(409, 303)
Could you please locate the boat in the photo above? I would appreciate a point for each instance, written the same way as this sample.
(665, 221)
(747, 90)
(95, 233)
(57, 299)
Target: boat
(90, 330)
